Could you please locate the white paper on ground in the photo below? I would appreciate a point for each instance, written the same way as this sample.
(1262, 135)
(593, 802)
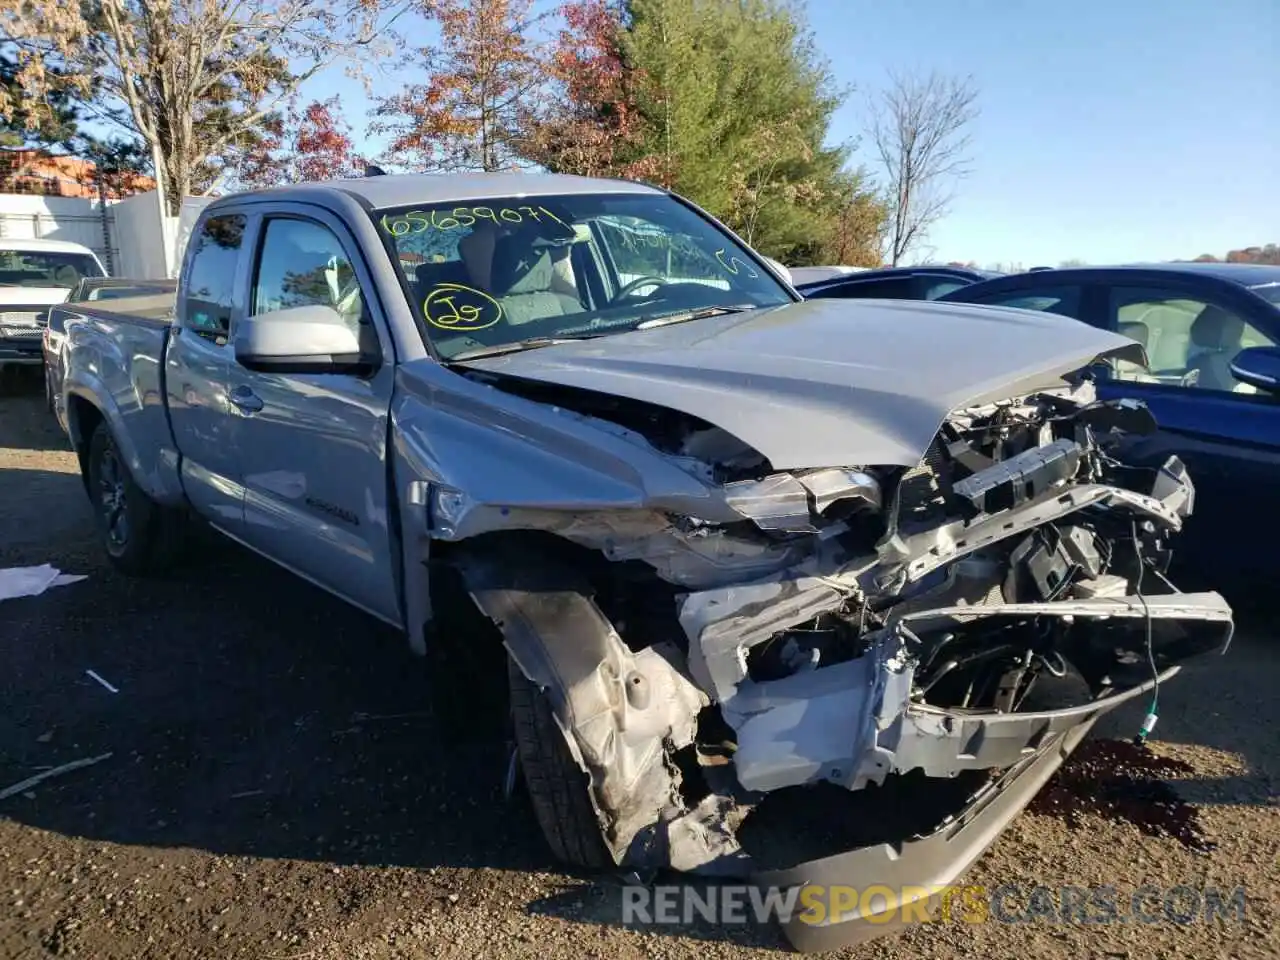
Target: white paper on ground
(32, 581)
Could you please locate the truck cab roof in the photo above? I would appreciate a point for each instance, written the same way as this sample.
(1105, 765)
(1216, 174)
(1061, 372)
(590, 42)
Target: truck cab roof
(400, 189)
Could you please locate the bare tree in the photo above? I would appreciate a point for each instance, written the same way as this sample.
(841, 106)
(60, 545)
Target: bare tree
(919, 129)
(197, 82)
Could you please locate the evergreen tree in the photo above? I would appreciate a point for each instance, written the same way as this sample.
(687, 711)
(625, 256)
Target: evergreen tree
(724, 101)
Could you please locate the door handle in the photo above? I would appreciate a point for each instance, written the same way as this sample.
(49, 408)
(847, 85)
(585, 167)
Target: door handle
(245, 400)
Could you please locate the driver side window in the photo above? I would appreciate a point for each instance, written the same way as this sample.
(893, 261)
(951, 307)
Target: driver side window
(1190, 342)
(1065, 301)
(302, 263)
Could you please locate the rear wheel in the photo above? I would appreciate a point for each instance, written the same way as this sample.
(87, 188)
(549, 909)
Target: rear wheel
(558, 788)
(139, 535)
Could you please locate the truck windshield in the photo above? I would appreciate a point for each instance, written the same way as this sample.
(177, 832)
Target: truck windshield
(29, 268)
(494, 273)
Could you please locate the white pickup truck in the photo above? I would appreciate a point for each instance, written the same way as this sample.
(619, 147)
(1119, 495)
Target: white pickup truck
(35, 274)
(734, 543)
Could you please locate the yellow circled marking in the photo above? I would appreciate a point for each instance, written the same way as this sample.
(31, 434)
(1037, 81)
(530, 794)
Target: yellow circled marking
(442, 310)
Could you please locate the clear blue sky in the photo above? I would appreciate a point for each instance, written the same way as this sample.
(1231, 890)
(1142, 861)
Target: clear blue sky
(1111, 130)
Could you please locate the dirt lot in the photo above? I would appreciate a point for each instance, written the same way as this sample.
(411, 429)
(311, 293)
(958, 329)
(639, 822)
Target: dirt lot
(278, 786)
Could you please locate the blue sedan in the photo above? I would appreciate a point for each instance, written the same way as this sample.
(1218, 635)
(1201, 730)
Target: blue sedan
(1212, 381)
(927, 282)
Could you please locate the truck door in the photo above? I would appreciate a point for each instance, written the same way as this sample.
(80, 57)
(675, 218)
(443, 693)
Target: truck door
(313, 447)
(196, 369)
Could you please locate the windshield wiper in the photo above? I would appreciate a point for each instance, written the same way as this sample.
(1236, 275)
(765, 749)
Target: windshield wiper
(693, 315)
(529, 343)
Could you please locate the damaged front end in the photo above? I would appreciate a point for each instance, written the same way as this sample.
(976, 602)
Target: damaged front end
(938, 636)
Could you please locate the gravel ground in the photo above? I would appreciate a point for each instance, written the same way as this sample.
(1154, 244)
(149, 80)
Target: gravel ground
(278, 786)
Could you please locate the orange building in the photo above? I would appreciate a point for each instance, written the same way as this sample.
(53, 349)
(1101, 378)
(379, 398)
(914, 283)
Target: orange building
(50, 175)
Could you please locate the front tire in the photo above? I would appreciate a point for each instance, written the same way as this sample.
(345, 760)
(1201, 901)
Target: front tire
(139, 535)
(558, 788)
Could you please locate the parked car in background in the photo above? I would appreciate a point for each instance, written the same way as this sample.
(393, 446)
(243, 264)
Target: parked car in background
(34, 275)
(1212, 380)
(88, 290)
(895, 283)
(806, 275)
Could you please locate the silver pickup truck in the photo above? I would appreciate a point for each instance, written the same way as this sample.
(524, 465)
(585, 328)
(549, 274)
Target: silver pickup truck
(741, 549)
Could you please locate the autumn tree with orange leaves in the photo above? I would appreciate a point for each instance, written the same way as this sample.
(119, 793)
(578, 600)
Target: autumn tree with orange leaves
(313, 143)
(591, 125)
(1269, 254)
(197, 81)
(485, 76)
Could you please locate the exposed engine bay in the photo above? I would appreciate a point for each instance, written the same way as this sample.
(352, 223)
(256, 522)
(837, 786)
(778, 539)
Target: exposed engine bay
(848, 625)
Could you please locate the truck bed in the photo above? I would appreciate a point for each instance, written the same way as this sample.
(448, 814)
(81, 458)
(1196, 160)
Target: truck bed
(116, 349)
(153, 307)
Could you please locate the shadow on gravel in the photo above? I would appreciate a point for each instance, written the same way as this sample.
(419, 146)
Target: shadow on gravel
(258, 716)
(26, 423)
(39, 505)
(255, 715)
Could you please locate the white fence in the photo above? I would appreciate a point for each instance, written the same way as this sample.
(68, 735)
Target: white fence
(26, 217)
(143, 255)
(129, 236)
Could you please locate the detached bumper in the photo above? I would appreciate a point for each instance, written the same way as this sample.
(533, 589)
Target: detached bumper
(918, 870)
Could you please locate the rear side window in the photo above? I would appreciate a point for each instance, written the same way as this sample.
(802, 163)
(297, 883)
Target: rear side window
(940, 288)
(1062, 300)
(1189, 341)
(120, 293)
(211, 276)
(897, 288)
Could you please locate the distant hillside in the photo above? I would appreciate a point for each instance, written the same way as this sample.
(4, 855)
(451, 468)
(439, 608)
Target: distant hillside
(1268, 254)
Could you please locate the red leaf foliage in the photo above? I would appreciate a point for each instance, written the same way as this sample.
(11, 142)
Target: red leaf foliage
(592, 128)
(309, 144)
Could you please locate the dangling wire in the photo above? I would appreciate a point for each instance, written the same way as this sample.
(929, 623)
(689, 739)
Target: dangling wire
(1148, 724)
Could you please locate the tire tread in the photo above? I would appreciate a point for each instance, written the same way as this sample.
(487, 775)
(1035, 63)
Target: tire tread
(557, 787)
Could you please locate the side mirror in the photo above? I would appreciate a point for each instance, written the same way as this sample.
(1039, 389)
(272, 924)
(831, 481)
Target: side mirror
(1259, 367)
(309, 339)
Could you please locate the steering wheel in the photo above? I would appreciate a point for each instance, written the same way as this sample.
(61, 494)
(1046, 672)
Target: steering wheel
(636, 284)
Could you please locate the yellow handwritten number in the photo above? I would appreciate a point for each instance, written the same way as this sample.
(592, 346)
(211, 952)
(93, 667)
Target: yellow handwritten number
(397, 228)
(415, 221)
(733, 265)
(452, 306)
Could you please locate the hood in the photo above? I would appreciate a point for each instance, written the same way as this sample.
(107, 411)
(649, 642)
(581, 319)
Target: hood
(33, 296)
(828, 382)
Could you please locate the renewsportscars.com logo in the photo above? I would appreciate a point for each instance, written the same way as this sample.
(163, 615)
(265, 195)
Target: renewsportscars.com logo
(1008, 903)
